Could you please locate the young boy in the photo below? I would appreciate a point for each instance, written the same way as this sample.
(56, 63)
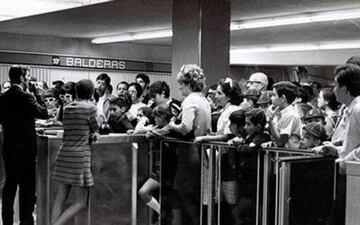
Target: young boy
(51, 102)
(118, 121)
(251, 96)
(314, 134)
(314, 115)
(264, 100)
(284, 120)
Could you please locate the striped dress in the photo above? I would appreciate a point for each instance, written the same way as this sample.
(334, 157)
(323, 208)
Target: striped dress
(73, 162)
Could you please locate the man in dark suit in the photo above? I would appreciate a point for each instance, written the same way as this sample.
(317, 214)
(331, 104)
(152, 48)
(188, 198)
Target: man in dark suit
(18, 110)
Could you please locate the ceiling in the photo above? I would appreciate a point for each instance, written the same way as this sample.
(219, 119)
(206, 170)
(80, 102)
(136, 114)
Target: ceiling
(123, 16)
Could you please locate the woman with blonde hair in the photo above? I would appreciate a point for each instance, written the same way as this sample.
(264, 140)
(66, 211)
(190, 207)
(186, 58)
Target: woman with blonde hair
(195, 121)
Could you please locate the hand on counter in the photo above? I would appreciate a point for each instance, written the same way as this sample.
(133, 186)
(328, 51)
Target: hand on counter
(327, 149)
(94, 137)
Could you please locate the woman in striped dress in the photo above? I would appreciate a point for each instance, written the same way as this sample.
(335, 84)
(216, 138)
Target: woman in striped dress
(73, 162)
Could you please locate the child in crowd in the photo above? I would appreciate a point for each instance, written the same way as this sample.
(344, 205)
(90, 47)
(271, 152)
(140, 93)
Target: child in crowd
(228, 163)
(144, 119)
(73, 170)
(162, 117)
(51, 102)
(314, 115)
(238, 133)
(237, 127)
(118, 121)
(284, 121)
(67, 95)
(264, 100)
(246, 163)
(314, 134)
(251, 96)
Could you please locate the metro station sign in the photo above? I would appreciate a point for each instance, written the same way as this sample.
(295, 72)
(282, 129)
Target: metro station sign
(92, 63)
(96, 63)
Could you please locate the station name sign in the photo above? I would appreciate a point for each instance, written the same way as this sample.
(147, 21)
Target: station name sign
(88, 63)
(110, 64)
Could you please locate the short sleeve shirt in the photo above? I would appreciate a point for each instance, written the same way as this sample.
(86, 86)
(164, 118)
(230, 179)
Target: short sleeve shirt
(352, 131)
(289, 122)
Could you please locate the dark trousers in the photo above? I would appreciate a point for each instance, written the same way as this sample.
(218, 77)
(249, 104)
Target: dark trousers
(190, 208)
(19, 172)
(337, 213)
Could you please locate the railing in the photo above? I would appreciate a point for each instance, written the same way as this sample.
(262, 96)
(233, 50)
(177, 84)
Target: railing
(211, 159)
(277, 200)
(298, 187)
(277, 195)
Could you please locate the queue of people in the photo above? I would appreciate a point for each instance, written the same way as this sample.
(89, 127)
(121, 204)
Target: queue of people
(284, 114)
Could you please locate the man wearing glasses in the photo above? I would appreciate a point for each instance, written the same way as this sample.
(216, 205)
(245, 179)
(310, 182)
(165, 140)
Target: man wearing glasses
(258, 81)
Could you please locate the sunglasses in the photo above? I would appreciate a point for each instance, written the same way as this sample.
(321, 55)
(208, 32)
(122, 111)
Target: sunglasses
(50, 99)
(65, 96)
(253, 82)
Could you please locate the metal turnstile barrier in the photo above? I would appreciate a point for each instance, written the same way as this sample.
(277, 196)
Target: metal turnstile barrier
(210, 180)
(298, 187)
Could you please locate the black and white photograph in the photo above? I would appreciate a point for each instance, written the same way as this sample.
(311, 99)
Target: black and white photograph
(179, 112)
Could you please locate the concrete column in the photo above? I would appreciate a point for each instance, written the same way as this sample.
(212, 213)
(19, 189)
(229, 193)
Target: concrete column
(201, 35)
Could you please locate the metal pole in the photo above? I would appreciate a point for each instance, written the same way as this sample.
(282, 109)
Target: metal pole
(134, 184)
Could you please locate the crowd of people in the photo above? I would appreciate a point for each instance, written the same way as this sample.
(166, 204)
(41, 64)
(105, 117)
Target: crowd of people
(284, 114)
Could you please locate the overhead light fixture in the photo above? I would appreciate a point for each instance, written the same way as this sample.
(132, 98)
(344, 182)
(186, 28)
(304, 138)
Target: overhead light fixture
(298, 47)
(12, 9)
(340, 45)
(133, 36)
(246, 24)
(297, 19)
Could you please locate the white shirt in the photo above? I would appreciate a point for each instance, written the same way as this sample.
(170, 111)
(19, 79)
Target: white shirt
(289, 122)
(223, 123)
(352, 131)
(100, 106)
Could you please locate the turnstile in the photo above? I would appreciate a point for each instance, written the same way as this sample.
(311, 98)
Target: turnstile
(298, 187)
